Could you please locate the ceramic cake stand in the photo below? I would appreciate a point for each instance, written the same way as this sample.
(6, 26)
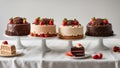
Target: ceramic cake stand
(18, 41)
(43, 43)
(70, 42)
(100, 45)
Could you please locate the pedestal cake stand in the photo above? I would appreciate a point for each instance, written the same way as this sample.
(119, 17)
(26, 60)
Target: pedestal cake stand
(43, 43)
(18, 41)
(100, 44)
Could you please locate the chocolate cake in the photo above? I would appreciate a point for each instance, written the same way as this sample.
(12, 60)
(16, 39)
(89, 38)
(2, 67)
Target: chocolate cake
(18, 27)
(99, 27)
(78, 50)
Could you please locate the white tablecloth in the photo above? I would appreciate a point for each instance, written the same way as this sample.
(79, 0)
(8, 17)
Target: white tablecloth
(32, 57)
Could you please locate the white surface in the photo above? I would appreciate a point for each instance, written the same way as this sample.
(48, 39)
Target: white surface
(82, 10)
(32, 57)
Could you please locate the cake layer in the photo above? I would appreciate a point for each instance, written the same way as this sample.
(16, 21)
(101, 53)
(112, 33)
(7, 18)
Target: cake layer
(18, 29)
(78, 51)
(71, 37)
(71, 30)
(99, 30)
(43, 29)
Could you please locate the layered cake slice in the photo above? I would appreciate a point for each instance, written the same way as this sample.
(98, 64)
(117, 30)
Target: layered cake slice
(44, 27)
(78, 50)
(18, 26)
(99, 27)
(70, 29)
(6, 49)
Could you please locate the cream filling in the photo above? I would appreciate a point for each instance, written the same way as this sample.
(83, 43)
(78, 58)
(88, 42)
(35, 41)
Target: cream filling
(71, 30)
(43, 29)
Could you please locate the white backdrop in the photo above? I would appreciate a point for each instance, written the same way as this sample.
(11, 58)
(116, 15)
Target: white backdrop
(82, 10)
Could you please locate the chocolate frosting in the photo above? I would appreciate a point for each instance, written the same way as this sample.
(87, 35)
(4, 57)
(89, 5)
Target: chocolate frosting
(18, 20)
(17, 29)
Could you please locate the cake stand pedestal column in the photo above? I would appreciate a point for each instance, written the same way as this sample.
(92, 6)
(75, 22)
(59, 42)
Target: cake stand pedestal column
(44, 47)
(70, 45)
(18, 41)
(100, 44)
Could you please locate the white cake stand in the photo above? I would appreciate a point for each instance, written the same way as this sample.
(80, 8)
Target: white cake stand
(70, 42)
(43, 43)
(18, 41)
(100, 45)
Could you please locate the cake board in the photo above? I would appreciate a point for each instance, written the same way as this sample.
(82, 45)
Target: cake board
(18, 45)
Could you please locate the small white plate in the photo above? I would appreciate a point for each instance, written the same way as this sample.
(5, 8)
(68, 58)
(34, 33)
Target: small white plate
(82, 57)
(17, 53)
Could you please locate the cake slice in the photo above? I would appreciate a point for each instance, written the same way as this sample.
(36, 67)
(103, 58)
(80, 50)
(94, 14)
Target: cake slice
(6, 49)
(78, 50)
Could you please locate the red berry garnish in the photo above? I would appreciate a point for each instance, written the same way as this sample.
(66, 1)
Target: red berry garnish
(51, 22)
(11, 20)
(5, 42)
(95, 57)
(105, 21)
(69, 54)
(24, 21)
(64, 22)
(41, 22)
(100, 55)
(46, 35)
(31, 34)
(37, 20)
(76, 22)
(42, 35)
(115, 49)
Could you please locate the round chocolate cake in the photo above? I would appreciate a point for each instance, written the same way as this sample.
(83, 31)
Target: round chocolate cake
(99, 27)
(18, 27)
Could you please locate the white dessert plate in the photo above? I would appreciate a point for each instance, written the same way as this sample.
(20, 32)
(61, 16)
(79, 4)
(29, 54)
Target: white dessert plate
(82, 57)
(17, 54)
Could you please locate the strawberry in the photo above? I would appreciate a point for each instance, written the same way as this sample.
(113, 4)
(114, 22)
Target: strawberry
(5, 42)
(105, 21)
(64, 22)
(31, 34)
(24, 21)
(69, 54)
(115, 49)
(93, 19)
(41, 22)
(11, 20)
(76, 22)
(37, 20)
(95, 57)
(51, 22)
(100, 55)
(46, 35)
(41, 35)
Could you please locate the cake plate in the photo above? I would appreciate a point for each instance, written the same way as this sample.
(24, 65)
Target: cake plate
(43, 43)
(70, 42)
(18, 41)
(100, 45)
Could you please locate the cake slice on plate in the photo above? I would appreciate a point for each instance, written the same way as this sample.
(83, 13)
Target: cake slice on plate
(7, 49)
